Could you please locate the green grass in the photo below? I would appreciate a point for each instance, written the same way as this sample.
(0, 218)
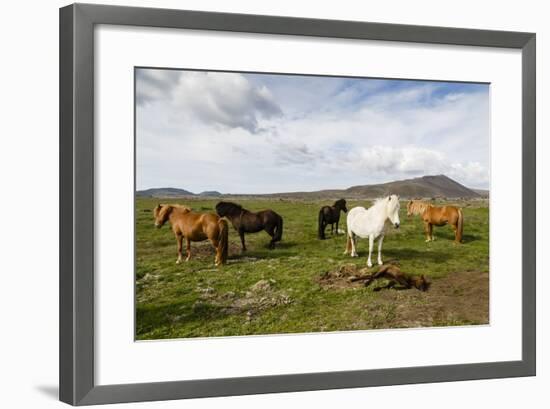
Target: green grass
(197, 299)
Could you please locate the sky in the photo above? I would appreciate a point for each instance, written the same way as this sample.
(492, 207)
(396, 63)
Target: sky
(267, 133)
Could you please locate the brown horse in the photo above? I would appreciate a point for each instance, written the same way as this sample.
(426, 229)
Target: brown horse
(330, 215)
(437, 216)
(194, 226)
(245, 221)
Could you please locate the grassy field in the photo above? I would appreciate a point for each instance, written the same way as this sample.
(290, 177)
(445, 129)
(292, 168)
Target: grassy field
(280, 291)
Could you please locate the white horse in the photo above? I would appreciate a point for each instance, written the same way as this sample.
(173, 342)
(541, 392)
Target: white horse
(370, 223)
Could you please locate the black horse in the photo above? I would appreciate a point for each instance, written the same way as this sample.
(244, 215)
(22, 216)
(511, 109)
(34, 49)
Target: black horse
(330, 215)
(245, 221)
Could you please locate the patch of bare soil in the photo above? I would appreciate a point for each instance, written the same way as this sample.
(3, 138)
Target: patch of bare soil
(460, 298)
(259, 296)
(205, 250)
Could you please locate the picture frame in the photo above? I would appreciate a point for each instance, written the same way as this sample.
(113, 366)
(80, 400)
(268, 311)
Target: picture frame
(77, 363)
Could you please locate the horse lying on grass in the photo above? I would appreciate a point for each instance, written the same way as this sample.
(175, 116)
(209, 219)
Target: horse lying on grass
(194, 226)
(330, 215)
(437, 216)
(371, 223)
(395, 277)
(245, 221)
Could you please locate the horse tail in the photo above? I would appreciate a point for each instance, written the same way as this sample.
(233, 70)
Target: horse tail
(223, 240)
(348, 245)
(321, 229)
(278, 229)
(460, 226)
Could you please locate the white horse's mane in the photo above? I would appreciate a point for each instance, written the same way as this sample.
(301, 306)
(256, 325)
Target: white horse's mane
(382, 200)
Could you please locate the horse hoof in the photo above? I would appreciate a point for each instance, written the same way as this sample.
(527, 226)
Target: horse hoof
(380, 262)
(369, 265)
(178, 261)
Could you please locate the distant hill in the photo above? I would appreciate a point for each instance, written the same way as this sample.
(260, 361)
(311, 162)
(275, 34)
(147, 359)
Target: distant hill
(210, 193)
(482, 192)
(425, 186)
(421, 187)
(165, 192)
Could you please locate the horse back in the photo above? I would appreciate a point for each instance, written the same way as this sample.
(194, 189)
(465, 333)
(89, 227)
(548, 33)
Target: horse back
(197, 226)
(441, 215)
(268, 217)
(330, 214)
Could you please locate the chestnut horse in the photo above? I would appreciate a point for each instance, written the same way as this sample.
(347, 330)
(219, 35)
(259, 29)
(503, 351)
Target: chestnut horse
(194, 226)
(437, 216)
(330, 215)
(245, 221)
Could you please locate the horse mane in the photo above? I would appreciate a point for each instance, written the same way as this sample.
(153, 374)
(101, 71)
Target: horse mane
(173, 205)
(228, 208)
(380, 200)
(418, 206)
(184, 208)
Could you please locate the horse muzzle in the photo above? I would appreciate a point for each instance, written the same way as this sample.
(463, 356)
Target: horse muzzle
(396, 225)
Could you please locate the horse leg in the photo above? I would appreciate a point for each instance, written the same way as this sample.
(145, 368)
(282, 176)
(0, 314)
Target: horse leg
(241, 235)
(332, 229)
(179, 239)
(380, 240)
(455, 230)
(271, 231)
(337, 228)
(354, 245)
(432, 238)
(371, 243)
(188, 248)
(215, 243)
(427, 230)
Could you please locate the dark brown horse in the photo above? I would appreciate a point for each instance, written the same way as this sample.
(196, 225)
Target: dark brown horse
(245, 221)
(330, 215)
(194, 226)
(395, 277)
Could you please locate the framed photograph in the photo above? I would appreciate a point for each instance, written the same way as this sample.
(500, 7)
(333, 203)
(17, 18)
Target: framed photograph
(258, 204)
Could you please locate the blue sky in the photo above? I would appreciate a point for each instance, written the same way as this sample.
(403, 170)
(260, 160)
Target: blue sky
(261, 133)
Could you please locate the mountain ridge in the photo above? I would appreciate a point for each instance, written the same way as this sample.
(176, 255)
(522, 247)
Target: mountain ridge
(428, 186)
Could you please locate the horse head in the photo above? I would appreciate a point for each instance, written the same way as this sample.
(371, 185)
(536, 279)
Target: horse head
(392, 210)
(161, 214)
(422, 283)
(341, 205)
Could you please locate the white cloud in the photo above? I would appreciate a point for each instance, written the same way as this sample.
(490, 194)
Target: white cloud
(224, 99)
(409, 160)
(227, 132)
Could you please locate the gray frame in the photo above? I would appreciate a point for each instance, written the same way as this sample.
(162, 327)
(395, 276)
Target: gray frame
(76, 281)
